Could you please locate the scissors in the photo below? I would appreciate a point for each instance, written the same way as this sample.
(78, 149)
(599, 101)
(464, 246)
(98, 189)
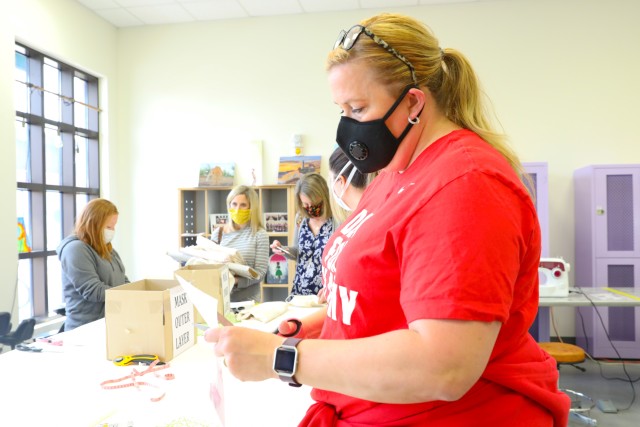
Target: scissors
(145, 359)
(24, 347)
(296, 322)
(283, 249)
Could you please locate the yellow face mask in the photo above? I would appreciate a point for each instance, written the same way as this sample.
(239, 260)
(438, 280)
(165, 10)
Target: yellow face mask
(240, 216)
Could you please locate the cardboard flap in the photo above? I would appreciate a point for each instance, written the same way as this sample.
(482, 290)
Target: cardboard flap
(212, 279)
(139, 320)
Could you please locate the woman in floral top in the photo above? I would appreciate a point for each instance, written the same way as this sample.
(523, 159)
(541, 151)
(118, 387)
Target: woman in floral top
(314, 227)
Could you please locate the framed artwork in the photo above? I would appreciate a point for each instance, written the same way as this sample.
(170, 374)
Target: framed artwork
(292, 168)
(218, 220)
(278, 270)
(249, 165)
(217, 174)
(276, 222)
(24, 241)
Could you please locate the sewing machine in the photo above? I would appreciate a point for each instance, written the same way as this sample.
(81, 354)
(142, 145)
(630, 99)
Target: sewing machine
(554, 277)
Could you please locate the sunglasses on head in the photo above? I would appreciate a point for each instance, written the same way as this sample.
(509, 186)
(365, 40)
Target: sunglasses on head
(346, 40)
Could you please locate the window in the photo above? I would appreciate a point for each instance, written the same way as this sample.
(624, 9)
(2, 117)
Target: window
(57, 169)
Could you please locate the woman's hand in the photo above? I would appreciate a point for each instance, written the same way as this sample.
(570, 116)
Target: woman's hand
(290, 328)
(247, 353)
(322, 295)
(276, 247)
(234, 278)
(310, 326)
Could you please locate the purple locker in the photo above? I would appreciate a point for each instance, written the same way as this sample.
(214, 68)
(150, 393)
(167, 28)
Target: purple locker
(607, 253)
(539, 182)
(538, 172)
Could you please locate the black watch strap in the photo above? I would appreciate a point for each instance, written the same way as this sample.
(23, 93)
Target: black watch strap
(291, 380)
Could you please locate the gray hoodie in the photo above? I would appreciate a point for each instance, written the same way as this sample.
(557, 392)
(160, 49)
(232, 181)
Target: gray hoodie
(85, 278)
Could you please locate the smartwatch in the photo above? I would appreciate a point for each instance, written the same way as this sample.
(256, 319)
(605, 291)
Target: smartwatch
(285, 361)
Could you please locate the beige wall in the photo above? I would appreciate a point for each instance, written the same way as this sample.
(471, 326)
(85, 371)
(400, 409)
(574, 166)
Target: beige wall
(562, 75)
(8, 255)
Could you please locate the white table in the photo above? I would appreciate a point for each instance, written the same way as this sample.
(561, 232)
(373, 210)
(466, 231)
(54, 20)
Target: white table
(61, 387)
(585, 297)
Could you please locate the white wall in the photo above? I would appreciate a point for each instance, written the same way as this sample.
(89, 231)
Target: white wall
(562, 75)
(8, 253)
(68, 31)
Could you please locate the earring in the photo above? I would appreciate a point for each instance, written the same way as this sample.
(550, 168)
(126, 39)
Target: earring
(413, 121)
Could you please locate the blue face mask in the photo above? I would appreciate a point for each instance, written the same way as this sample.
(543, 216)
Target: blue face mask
(370, 145)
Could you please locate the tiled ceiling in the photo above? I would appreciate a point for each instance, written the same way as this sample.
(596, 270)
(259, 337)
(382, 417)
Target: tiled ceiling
(131, 13)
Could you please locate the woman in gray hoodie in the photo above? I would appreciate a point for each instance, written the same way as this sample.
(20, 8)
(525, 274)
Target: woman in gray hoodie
(90, 265)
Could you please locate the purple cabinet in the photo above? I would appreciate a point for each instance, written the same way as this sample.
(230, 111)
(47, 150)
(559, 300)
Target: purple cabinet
(539, 182)
(538, 174)
(607, 253)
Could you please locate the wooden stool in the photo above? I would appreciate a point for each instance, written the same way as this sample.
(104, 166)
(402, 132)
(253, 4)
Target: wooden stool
(569, 354)
(564, 353)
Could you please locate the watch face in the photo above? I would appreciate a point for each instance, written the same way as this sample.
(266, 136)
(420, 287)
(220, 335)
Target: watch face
(285, 361)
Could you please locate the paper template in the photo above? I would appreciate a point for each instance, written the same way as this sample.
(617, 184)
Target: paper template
(206, 304)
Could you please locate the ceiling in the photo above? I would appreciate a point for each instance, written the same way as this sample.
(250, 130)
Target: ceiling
(131, 13)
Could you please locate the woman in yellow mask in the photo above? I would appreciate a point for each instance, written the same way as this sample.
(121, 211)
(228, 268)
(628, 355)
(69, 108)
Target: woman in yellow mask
(245, 233)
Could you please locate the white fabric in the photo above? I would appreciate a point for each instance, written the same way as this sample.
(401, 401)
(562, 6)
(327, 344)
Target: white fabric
(264, 312)
(305, 301)
(210, 245)
(211, 252)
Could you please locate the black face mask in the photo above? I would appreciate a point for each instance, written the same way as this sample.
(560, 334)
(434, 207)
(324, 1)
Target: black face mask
(370, 145)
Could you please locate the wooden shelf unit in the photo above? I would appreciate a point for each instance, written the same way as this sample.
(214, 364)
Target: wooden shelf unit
(198, 203)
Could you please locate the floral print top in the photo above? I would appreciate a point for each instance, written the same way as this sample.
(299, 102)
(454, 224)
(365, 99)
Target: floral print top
(308, 278)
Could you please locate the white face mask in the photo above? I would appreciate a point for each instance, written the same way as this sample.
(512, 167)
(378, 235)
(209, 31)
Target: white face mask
(108, 235)
(338, 198)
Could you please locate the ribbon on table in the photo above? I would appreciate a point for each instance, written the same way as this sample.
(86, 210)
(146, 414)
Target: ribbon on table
(134, 378)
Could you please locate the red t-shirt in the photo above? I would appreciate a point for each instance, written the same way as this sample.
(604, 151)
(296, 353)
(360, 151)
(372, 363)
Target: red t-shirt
(455, 236)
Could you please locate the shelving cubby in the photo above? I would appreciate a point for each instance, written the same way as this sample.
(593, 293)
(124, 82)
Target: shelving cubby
(198, 203)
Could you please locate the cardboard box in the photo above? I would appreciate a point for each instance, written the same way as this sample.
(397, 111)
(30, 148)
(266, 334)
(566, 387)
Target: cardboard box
(149, 317)
(212, 279)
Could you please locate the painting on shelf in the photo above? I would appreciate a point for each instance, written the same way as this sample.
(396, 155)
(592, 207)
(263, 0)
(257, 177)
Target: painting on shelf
(278, 271)
(217, 174)
(218, 220)
(276, 222)
(249, 165)
(292, 168)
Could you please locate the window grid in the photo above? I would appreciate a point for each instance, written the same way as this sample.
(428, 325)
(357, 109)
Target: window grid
(57, 169)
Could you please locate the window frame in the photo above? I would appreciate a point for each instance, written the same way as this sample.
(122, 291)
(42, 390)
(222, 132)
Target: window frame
(37, 187)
